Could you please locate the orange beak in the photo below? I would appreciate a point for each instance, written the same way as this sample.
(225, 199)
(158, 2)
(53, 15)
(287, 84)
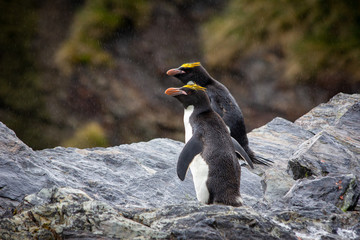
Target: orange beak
(174, 71)
(174, 92)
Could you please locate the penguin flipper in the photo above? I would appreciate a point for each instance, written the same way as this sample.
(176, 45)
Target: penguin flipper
(240, 152)
(192, 148)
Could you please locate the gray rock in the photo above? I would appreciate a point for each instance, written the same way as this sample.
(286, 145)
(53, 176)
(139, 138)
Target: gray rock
(250, 186)
(336, 146)
(311, 224)
(342, 191)
(321, 155)
(62, 212)
(21, 172)
(114, 175)
(327, 114)
(277, 141)
(139, 175)
(217, 222)
(314, 208)
(58, 213)
(132, 191)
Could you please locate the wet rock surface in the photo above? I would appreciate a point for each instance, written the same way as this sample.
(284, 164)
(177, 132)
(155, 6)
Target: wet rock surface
(132, 191)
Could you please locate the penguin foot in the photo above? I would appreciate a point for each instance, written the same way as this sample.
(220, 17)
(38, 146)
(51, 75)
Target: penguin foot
(232, 201)
(233, 204)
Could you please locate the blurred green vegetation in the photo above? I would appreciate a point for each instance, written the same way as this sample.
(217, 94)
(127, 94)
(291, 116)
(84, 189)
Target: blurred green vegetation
(21, 106)
(319, 38)
(90, 135)
(96, 22)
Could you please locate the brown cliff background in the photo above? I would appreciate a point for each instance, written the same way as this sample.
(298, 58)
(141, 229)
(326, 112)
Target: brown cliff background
(92, 73)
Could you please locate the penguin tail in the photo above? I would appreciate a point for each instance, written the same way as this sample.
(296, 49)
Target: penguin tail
(258, 159)
(262, 161)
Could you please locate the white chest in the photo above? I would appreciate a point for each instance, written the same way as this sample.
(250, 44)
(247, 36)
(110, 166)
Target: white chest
(200, 170)
(188, 129)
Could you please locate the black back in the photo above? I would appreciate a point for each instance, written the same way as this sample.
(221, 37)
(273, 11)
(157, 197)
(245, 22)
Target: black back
(221, 101)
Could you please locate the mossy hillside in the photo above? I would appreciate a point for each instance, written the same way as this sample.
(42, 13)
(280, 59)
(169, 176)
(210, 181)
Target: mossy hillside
(95, 22)
(90, 135)
(18, 77)
(22, 107)
(320, 39)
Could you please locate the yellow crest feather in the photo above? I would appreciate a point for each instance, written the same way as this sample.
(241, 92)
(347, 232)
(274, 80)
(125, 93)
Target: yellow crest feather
(195, 87)
(190, 65)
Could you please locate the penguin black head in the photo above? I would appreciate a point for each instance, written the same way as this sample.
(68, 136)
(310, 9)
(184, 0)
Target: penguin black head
(190, 95)
(190, 73)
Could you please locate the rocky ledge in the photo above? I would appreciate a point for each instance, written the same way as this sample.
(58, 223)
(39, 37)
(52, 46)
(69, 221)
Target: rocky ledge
(132, 191)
